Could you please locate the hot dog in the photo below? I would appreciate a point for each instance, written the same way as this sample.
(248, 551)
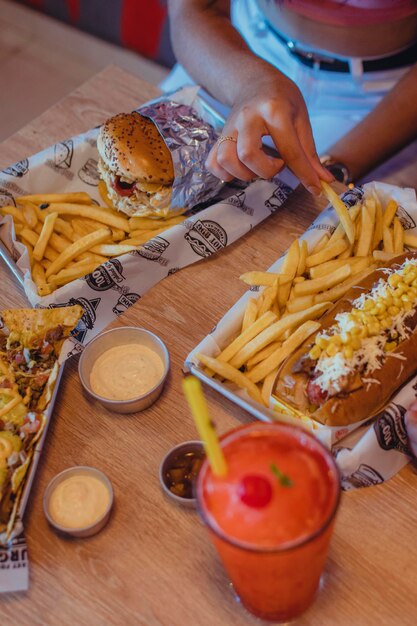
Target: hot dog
(365, 350)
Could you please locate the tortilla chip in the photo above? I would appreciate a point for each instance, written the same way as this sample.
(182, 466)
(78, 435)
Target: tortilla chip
(31, 324)
(20, 473)
(46, 396)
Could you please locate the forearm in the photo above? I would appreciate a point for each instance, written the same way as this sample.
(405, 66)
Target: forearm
(382, 133)
(211, 50)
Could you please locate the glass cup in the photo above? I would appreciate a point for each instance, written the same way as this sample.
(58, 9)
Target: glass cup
(272, 516)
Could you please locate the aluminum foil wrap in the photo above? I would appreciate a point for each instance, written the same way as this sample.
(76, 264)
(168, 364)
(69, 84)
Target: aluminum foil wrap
(189, 138)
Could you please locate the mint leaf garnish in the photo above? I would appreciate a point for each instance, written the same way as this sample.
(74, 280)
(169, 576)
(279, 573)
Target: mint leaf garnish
(285, 481)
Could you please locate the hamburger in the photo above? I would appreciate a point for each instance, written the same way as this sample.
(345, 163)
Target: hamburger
(136, 165)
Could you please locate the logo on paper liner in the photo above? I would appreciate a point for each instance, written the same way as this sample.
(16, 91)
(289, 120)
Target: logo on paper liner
(89, 173)
(106, 276)
(206, 237)
(18, 170)
(63, 153)
(363, 476)
(124, 302)
(279, 196)
(390, 429)
(153, 250)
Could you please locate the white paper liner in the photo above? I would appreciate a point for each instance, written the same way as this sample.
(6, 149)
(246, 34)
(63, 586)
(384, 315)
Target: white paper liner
(367, 452)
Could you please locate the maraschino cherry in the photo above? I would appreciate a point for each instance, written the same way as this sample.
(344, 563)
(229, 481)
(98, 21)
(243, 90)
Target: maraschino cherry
(255, 491)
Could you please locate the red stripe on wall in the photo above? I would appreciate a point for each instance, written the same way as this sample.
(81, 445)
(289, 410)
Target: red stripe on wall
(73, 10)
(141, 25)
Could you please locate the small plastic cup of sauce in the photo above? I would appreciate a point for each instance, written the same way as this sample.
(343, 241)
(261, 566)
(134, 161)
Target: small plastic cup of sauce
(78, 501)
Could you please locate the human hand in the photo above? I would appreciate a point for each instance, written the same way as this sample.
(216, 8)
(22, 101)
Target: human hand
(270, 105)
(410, 420)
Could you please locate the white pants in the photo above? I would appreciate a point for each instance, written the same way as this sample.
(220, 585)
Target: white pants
(336, 101)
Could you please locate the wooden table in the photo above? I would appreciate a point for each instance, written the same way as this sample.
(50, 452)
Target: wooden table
(153, 564)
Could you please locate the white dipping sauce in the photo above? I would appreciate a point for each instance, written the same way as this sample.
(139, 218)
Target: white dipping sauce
(78, 501)
(125, 372)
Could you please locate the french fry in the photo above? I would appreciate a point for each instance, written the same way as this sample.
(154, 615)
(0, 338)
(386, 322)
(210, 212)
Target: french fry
(322, 243)
(398, 236)
(249, 316)
(30, 236)
(112, 249)
(329, 252)
(102, 189)
(388, 239)
(225, 370)
(83, 226)
(356, 263)
(79, 197)
(263, 279)
(76, 248)
(44, 236)
(149, 223)
(347, 253)
(390, 211)
(268, 385)
(263, 354)
(367, 229)
(341, 209)
(61, 226)
(247, 335)
(410, 240)
(117, 234)
(262, 370)
(72, 273)
(315, 285)
(299, 304)
(16, 213)
(138, 240)
(38, 274)
(100, 214)
(269, 297)
(333, 294)
(378, 223)
(302, 259)
(45, 263)
(289, 268)
(29, 214)
(380, 255)
(275, 331)
(339, 232)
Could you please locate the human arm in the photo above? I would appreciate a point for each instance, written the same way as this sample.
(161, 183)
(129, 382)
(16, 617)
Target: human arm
(383, 132)
(263, 100)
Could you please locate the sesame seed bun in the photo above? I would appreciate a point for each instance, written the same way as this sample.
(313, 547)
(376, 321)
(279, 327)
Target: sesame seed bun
(136, 165)
(131, 146)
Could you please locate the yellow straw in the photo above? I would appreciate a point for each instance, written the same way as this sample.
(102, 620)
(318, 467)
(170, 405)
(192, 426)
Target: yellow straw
(198, 405)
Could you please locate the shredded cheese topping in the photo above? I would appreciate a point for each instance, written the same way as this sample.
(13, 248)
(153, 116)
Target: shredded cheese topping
(331, 371)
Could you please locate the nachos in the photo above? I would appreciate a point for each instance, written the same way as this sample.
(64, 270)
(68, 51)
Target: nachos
(29, 350)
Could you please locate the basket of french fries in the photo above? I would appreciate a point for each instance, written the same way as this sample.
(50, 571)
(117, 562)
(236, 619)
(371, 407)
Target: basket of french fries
(283, 311)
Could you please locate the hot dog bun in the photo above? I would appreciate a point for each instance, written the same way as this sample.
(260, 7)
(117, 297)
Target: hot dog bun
(372, 391)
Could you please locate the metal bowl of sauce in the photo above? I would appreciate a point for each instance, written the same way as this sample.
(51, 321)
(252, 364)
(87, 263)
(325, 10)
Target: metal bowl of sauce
(78, 501)
(179, 469)
(124, 368)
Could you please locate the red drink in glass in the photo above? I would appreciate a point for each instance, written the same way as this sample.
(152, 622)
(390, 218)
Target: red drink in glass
(271, 517)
